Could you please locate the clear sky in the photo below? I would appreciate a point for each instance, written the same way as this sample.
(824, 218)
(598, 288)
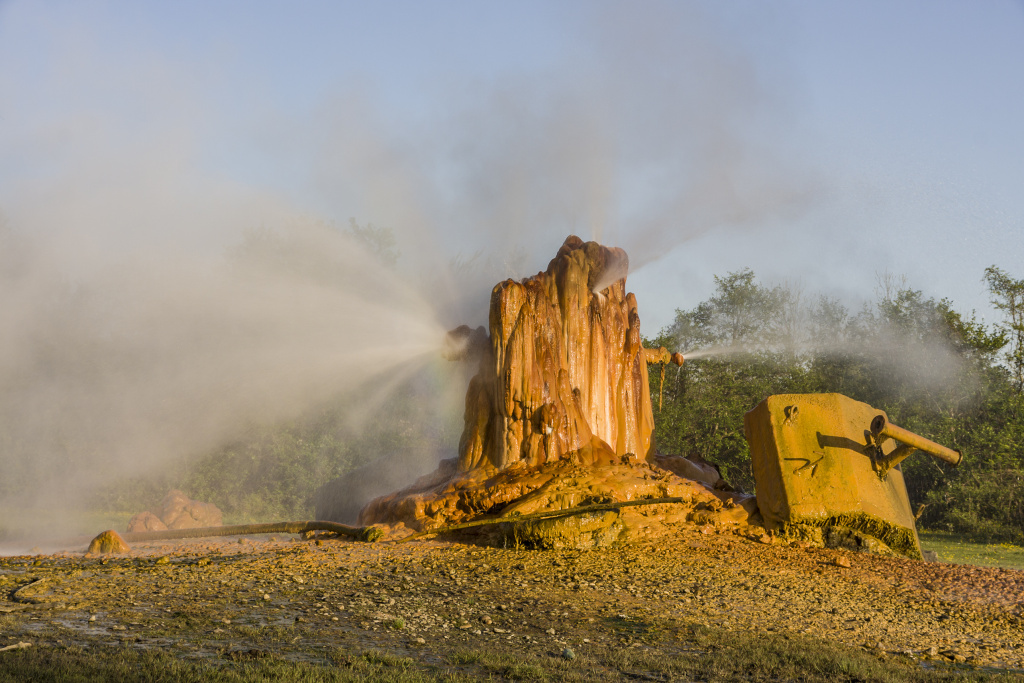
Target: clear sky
(816, 142)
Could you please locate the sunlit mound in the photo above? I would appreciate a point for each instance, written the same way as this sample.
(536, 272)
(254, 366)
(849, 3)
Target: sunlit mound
(558, 416)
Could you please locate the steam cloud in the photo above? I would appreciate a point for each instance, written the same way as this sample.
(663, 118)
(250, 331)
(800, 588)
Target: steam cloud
(141, 325)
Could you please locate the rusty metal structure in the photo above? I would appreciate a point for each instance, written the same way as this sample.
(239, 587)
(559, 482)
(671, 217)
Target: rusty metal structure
(827, 469)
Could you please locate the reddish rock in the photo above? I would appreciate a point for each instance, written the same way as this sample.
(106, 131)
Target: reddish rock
(178, 511)
(690, 468)
(145, 521)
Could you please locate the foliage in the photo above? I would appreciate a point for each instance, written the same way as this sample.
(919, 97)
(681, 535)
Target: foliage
(951, 548)
(1008, 296)
(270, 472)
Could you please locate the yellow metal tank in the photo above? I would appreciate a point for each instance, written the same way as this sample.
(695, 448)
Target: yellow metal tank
(819, 467)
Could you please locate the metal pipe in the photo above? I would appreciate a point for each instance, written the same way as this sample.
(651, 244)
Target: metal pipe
(881, 427)
(661, 355)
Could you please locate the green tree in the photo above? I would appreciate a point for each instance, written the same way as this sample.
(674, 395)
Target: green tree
(1008, 297)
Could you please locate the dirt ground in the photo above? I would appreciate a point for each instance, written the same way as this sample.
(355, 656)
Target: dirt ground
(297, 599)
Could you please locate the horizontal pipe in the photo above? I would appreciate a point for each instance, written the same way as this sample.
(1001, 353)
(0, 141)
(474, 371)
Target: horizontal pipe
(361, 533)
(661, 355)
(880, 426)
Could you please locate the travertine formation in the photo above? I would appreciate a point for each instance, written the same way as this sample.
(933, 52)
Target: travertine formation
(559, 415)
(564, 376)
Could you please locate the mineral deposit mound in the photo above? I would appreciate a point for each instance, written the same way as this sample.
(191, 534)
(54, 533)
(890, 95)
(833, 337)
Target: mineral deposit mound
(559, 416)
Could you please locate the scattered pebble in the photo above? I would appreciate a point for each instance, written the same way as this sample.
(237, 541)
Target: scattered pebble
(780, 588)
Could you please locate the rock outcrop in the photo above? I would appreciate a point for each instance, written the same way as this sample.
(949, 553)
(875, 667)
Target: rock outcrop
(559, 415)
(564, 376)
(146, 521)
(177, 511)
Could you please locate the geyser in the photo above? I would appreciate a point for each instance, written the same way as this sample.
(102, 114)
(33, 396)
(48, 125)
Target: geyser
(559, 415)
(558, 447)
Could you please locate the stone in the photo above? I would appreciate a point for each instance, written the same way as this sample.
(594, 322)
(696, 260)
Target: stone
(108, 542)
(178, 511)
(693, 468)
(145, 521)
(15, 646)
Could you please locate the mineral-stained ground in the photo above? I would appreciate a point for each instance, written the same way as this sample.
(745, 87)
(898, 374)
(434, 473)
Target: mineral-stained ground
(608, 613)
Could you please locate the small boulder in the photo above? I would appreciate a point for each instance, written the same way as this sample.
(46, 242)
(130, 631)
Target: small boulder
(178, 511)
(108, 542)
(145, 521)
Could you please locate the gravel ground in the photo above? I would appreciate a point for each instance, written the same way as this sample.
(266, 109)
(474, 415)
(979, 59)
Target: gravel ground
(298, 599)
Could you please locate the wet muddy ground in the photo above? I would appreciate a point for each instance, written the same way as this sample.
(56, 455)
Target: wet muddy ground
(307, 600)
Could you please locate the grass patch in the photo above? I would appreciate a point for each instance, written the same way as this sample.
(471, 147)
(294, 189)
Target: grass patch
(701, 654)
(724, 656)
(464, 657)
(952, 548)
(506, 666)
(78, 665)
(634, 628)
(387, 660)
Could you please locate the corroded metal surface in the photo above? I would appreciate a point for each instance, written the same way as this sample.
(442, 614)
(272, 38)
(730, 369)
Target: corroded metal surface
(816, 461)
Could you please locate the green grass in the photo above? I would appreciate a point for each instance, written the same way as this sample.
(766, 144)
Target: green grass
(78, 665)
(951, 548)
(724, 656)
(700, 654)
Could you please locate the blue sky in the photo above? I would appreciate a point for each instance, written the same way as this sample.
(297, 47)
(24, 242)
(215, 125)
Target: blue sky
(818, 143)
